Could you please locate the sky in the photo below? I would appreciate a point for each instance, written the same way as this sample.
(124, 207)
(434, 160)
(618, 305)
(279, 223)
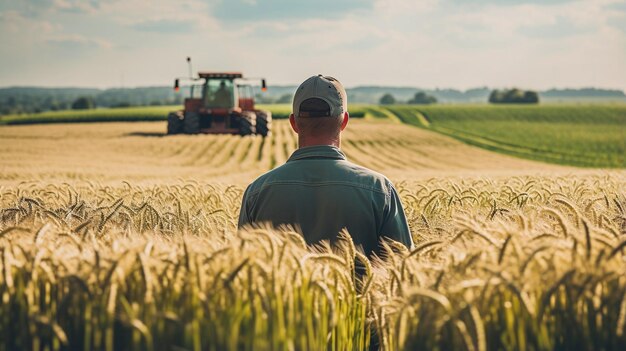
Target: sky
(530, 44)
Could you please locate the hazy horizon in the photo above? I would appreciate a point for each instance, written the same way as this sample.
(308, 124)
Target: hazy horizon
(296, 84)
(446, 44)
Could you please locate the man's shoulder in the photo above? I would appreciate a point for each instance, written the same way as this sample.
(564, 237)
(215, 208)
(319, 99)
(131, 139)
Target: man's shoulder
(362, 171)
(366, 176)
(357, 171)
(343, 172)
(264, 178)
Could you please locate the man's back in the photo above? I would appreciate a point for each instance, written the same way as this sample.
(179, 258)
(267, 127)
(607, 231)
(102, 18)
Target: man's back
(320, 192)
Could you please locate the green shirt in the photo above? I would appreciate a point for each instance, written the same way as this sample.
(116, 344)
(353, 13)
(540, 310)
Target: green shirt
(320, 192)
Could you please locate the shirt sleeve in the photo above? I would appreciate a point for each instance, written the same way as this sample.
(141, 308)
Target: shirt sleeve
(394, 220)
(243, 213)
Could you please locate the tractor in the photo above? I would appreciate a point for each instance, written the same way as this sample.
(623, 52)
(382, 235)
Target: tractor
(225, 105)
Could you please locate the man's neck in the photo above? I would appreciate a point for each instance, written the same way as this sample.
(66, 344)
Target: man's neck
(304, 142)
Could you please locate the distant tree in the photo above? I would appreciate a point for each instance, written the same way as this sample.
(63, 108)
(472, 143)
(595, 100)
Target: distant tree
(531, 97)
(513, 96)
(387, 99)
(263, 99)
(285, 99)
(422, 98)
(83, 103)
(496, 96)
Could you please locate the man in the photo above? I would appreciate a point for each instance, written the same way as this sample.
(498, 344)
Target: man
(318, 190)
(223, 97)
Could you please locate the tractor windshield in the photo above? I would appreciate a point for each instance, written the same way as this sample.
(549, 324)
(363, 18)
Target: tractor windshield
(218, 93)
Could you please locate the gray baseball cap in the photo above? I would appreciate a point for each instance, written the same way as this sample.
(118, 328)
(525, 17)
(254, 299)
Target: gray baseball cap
(322, 87)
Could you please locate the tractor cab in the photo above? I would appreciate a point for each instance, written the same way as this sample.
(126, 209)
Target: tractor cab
(218, 93)
(221, 90)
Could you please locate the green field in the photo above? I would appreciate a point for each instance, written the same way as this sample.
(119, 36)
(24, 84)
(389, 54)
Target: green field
(133, 114)
(128, 114)
(577, 135)
(585, 136)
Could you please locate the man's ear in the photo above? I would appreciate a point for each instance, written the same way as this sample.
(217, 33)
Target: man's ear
(294, 125)
(346, 117)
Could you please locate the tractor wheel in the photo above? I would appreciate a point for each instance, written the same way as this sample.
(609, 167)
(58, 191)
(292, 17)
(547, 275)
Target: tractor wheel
(191, 123)
(174, 123)
(263, 123)
(247, 123)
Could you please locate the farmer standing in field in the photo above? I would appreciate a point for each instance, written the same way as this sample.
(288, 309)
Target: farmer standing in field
(318, 190)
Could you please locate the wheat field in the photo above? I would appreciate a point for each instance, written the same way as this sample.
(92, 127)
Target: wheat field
(112, 237)
(140, 152)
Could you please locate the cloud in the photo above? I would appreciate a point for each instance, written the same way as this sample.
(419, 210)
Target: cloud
(617, 17)
(12, 21)
(507, 2)
(561, 27)
(165, 26)
(76, 6)
(618, 23)
(26, 8)
(446, 43)
(43, 8)
(160, 16)
(286, 10)
(404, 7)
(314, 36)
(78, 42)
(618, 5)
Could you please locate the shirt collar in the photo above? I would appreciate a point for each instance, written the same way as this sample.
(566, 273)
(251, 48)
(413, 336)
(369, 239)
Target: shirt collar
(318, 151)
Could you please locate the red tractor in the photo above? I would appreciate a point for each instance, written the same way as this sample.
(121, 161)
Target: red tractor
(225, 106)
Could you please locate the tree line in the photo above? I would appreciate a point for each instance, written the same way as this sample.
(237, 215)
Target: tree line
(420, 98)
(514, 96)
(34, 100)
(16, 100)
(507, 96)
